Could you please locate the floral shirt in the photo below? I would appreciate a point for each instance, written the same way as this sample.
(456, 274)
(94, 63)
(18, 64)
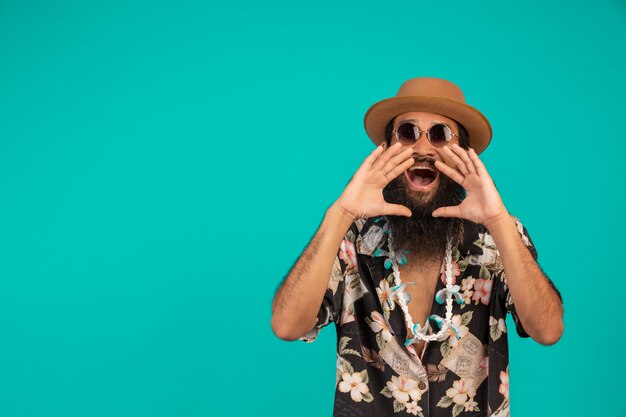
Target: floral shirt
(466, 374)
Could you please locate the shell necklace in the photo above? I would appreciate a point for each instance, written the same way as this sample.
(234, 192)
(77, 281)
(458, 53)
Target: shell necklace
(396, 258)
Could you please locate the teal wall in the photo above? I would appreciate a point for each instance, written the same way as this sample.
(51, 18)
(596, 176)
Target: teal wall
(162, 164)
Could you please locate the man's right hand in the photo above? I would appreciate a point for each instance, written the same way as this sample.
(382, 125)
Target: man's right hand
(298, 300)
(363, 196)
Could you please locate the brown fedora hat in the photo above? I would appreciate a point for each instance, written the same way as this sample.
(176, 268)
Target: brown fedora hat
(432, 95)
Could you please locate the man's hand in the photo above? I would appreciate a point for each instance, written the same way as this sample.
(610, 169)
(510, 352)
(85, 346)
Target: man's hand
(363, 196)
(298, 300)
(482, 204)
(538, 306)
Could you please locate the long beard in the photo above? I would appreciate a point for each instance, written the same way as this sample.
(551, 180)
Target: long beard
(422, 234)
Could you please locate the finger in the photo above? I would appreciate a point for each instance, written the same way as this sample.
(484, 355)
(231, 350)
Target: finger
(395, 210)
(457, 161)
(449, 211)
(480, 167)
(389, 153)
(396, 160)
(462, 153)
(367, 162)
(450, 172)
(399, 169)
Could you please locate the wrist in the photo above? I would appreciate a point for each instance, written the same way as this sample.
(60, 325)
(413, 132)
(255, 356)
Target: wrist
(497, 222)
(341, 214)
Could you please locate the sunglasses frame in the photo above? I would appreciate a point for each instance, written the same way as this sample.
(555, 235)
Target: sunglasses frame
(424, 131)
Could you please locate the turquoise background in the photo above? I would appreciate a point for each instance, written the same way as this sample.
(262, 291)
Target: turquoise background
(162, 165)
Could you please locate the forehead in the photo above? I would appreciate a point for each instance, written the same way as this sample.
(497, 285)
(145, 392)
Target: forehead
(423, 118)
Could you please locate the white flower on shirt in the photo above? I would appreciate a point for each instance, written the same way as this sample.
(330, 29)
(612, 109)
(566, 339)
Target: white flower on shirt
(379, 325)
(467, 289)
(354, 384)
(413, 408)
(471, 405)
(404, 389)
(460, 396)
(461, 330)
(462, 391)
(386, 295)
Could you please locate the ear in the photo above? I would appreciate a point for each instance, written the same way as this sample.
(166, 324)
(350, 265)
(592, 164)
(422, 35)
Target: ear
(389, 131)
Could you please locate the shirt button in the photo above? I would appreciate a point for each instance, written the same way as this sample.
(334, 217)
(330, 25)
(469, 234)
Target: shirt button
(421, 385)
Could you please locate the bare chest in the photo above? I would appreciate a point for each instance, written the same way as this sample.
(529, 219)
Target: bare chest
(422, 293)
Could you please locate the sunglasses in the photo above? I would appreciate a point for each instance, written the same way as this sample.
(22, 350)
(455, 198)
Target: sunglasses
(438, 135)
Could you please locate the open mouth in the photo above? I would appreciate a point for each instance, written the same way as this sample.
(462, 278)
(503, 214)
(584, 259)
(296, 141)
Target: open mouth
(421, 176)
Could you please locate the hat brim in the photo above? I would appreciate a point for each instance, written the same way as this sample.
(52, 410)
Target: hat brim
(475, 123)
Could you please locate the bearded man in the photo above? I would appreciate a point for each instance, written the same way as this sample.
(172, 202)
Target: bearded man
(417, 263)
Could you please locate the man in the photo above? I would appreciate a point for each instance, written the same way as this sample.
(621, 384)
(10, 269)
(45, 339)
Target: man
(417, 263)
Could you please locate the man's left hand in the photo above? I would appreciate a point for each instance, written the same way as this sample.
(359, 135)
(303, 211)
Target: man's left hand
(482, 204)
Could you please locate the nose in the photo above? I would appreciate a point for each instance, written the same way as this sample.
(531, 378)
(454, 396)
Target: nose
(422, 146)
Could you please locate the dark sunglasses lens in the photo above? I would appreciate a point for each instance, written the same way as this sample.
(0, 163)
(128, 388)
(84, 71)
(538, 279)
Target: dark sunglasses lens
(407, 133)
(439, 135)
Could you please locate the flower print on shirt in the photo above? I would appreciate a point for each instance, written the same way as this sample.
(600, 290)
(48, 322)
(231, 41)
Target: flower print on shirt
(386, 296)
(406, 394)
(459, 322)
(379, 325)
(504, 384)
(460, 396)
(496, 328)
(413, 408)
(467, 289)
(370, 328)
(482, 291)
(347, 252)
(356, 384)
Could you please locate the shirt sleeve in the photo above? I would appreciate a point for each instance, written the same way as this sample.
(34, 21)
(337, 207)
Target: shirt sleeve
(330, 310)
(510, 306)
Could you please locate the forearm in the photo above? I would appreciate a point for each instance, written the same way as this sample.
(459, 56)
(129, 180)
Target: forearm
(298, 300)
(537, 304)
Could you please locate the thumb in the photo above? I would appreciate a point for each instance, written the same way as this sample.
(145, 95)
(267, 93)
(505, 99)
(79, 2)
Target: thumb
(450, 211)
(396, 210)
